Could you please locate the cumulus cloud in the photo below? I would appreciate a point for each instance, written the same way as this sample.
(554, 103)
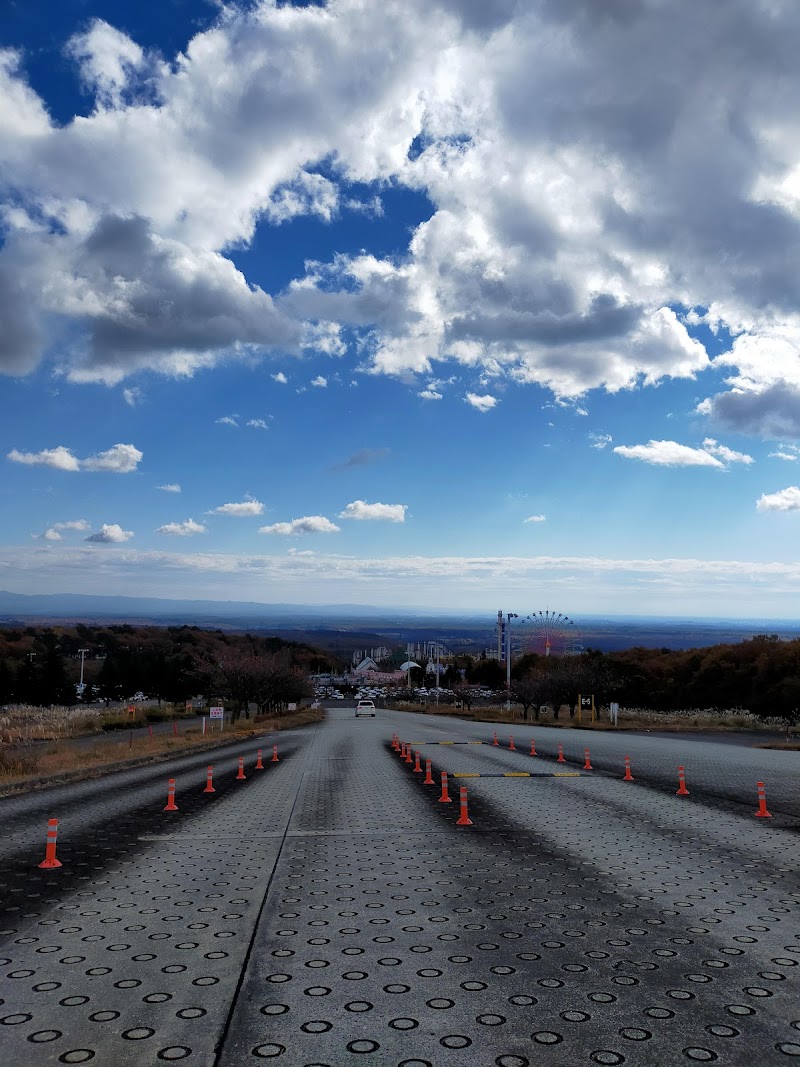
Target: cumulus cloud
(482, 403)
(430, 394)
(54, 532)
(308, 524)
(120, 459)
(771, 412)
(360, 509)
(110, 534)
(319, 382)
(791, 456)
(658, 171)
(182, 529)
(170, 487)
(280, 378)
(672, 454)
(59, 458)
(784, 500)
(227, 420)
(132, 396)
(536, 518)
(258, 424)
(244, 509)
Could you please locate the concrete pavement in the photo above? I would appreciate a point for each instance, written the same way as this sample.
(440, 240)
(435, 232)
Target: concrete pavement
(329, 911)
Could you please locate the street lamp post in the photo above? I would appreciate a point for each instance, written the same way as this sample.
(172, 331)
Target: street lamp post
(509, 616)
(83, 652)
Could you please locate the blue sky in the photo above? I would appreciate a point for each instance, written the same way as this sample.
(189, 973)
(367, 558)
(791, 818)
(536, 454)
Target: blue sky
(393, 313)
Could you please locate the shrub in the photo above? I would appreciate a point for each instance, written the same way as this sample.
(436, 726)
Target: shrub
(17, 762)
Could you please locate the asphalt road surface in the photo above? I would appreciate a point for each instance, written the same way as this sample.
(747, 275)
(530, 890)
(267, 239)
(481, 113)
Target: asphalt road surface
(329, 911)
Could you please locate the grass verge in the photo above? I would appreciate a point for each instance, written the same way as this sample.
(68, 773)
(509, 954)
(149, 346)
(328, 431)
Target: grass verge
(64, 761)
(629, 719)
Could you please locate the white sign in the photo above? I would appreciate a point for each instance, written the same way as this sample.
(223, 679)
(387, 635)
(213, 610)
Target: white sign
(614, 710)
(216, 713)
(291, 707)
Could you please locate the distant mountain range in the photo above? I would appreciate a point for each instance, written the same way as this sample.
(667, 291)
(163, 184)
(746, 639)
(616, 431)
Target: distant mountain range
(82, 606)
(342, 628)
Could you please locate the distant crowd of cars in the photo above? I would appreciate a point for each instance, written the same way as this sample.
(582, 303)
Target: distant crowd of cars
(423, 694)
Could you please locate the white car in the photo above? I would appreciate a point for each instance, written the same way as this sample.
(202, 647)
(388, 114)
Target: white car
(365, 707)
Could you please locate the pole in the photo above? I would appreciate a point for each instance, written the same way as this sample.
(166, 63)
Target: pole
(437, 674)
(509, 616)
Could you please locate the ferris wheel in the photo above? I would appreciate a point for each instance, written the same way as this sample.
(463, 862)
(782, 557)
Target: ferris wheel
(550, 633)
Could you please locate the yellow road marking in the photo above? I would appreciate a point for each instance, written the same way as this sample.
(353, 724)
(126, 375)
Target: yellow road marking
(516, 774)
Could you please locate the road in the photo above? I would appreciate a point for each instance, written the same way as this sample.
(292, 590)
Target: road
(328, 910)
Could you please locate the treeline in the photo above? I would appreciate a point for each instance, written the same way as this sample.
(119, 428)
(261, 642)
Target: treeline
(760, 675)
(41, 665)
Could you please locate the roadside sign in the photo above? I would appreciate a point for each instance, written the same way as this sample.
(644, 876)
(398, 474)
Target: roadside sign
(216, 713)
(131, 710)
(291, 707)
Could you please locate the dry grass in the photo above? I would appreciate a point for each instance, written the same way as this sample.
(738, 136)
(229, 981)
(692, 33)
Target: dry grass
(786, 746)
(22, 765)
(629, 718)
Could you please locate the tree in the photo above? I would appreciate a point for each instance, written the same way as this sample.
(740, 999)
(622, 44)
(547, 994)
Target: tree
(529, 690)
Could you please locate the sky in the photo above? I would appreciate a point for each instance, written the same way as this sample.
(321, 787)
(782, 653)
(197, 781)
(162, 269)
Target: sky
(455, 304)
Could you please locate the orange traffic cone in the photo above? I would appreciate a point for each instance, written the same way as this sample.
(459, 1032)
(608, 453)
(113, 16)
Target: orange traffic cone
(628, 776)
(463, 819)
(428, 780)
(50, 849)
(682, 790)
(417, 767)
(494, 738)
(259, 765)
(408, 758)
(241, 773)
(274, 754)
(210, 780)
(533, 747)
(762, 812)
(560, 754)
(445, 797)
(587, 766)
(171, 805)
(512, 747)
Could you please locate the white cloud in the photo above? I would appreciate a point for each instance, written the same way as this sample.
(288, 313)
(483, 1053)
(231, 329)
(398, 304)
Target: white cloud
(672, 454)
(120, 459)
(308, 524)
(53, 533)
(258, 424)
(60, 458)
(132, 396)
(360, 509)
(783, 455)
(784, 500)
(243, 509)
(170, 487)
(227, 420)
(727, 455)
(280, 378)
(561, 236)
(182, 529)
(600, 440)
(319, 382)
(430, 394)
(536, 518)
(110, 534)
(482, 403)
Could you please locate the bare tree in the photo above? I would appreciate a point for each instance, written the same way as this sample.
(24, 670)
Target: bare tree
(529, 690)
